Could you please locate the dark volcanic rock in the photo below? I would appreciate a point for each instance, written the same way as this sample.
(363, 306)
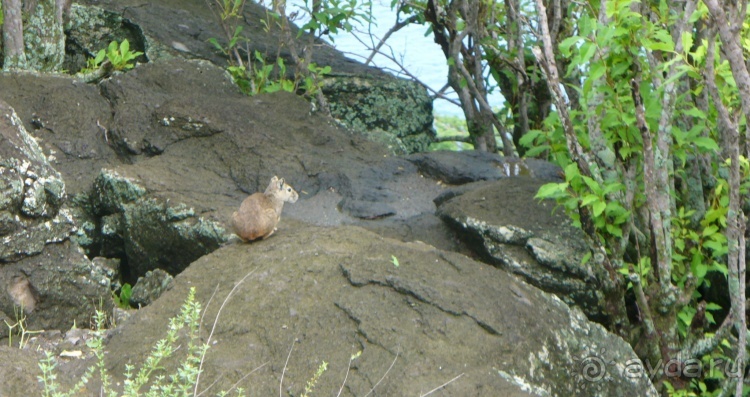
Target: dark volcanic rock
(456, 168)
(527, 237)
(326, 293)
(150, 287)
(56, 288)
(366, 99)
(366, 209)
(18, 374)
(70, 121)
(31, 187)
(47, 279)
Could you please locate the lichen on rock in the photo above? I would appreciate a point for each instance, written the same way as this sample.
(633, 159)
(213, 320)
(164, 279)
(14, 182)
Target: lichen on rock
(146, 229)
(399, 108)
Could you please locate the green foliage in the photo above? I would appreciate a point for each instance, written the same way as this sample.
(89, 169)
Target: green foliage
(231, 45)
(260, 77)
(255, 75)
(394, 260)
(310, 385)
(612, 200)
(328, 16)
(123, 299)
(181, 382)
(118, 55)
(450, 127)
(230, 8)
(548, 142)
(19, 328)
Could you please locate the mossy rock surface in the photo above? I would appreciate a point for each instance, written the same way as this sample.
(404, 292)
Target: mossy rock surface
(400, 108)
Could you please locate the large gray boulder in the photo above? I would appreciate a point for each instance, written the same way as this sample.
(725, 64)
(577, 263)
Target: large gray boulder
(393, 111)
(318, 294)
(531, 238)
(458, 168)
(367, 100)
(160, 157)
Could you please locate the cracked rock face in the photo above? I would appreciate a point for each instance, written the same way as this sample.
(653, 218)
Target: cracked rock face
(148, 230)
(43, 275)
(30, 185)
(328, 293)
(516, 232)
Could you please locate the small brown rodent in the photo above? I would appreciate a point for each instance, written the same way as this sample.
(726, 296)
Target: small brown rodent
(260, 212)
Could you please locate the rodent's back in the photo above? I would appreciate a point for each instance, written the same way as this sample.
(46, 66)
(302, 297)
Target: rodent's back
(259, 213)
(257, 217)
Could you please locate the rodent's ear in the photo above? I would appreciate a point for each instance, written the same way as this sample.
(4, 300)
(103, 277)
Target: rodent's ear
(281, 184)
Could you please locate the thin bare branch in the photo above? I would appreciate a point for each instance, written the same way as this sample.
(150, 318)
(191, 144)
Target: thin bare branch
(442, 386)
(216, 321)
(384, 375)
(546, 59)
(395, 28)
(403, 70)
(732, 49)
(283, 371)
(735, 229)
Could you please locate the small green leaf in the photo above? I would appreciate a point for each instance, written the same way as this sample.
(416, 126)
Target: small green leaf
(593, 185)
(598, 208)
(706, 143)
(566, 44)
(686, 316)
(123, 300)
(687, 41)
(125, 46)
(614, 230)
(571, 172)
(550, 190)
(700, 271)
(527, 140)
(99, 57)
(589, 198)
(695, 112)
(394, 260)
(597, 70)
(710, 318)
(588, 50)
(710, 230)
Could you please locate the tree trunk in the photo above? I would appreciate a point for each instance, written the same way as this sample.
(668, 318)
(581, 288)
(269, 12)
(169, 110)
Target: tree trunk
(44, 37)
(40, 44)
(14, 55)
